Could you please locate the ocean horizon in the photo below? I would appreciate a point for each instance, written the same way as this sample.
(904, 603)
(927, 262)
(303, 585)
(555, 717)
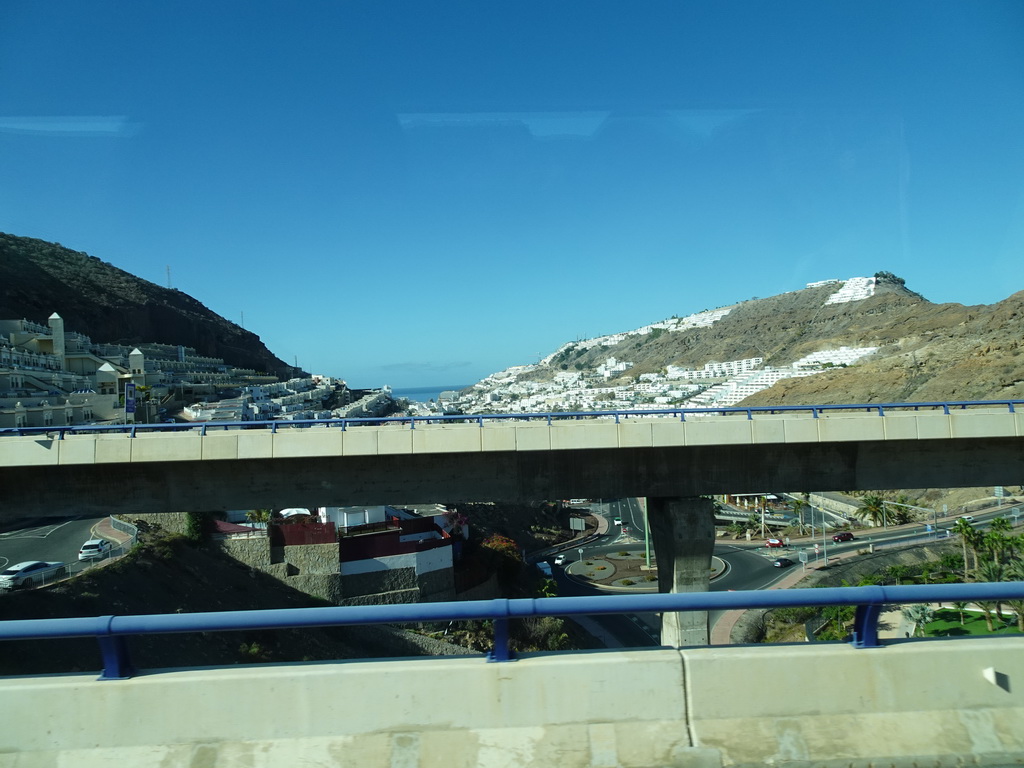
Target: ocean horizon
(423, 394)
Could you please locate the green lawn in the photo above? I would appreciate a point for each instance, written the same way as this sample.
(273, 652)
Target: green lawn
(947, 623)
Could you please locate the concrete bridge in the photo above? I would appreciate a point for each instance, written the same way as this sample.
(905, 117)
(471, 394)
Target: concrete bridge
(670, 454)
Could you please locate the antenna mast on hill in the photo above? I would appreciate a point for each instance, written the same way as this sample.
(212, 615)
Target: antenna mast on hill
(242, 321)
(169, 276)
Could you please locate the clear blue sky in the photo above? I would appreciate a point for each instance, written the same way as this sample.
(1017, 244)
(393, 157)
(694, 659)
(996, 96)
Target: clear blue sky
(415, 193)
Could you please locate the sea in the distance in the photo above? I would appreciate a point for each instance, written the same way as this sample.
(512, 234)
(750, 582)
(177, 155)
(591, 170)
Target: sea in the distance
(425, 394)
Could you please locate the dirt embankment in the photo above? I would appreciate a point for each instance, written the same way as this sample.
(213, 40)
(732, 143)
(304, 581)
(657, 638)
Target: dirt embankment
(164, 574)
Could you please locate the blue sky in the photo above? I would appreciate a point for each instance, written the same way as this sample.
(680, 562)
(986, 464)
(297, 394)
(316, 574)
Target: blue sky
(415, 193)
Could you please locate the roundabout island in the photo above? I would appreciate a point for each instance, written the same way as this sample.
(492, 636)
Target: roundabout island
(624, 571)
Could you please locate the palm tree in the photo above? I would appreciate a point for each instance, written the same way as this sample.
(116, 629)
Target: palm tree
(798, 506)
(897, 572)
(1001, 524)
(1016, 573)
(994, 572)
(969, 537)
(995, 542)
(960, 606)
(1000, 539)
(986, 608)
(871, 509)
(920, 614)
(1018, 608)
(258, 515)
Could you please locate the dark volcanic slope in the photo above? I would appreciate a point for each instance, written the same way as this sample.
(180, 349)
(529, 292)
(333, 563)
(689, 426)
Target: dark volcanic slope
(107, 304)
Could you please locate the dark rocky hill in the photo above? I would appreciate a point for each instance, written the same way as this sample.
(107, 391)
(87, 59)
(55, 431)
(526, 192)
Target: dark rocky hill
(110, 305)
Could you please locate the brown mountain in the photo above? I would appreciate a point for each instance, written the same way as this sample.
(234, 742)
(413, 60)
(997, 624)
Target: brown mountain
(925, 351)
(110, 305)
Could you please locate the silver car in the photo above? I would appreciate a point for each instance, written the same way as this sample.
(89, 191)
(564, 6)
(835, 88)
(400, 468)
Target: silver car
(94, 549)
(30, 572)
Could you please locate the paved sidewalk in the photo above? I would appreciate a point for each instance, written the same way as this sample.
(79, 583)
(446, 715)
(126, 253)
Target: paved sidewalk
(105, 530)
(721, 634)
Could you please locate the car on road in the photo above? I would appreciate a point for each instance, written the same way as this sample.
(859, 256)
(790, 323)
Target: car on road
(94, 549)
(843, 536)
(968, 518)
(783, 562)
(617, 521)
(561, 559)
(29, 572)
(774, 543)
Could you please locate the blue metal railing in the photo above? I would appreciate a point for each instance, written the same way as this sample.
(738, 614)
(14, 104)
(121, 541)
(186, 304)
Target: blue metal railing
(113, 631)
(814, 411)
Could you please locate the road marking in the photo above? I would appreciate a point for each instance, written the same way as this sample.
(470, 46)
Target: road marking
(38, 533)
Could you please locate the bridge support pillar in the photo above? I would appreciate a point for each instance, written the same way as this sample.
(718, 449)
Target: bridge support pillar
(684, 540)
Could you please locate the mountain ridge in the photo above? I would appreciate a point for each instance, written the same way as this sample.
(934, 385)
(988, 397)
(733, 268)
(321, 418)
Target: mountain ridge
(113, 306)
(918, 350)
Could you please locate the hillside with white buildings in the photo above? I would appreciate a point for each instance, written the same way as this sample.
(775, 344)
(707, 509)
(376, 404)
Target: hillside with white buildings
(53, 377)
(576, 377)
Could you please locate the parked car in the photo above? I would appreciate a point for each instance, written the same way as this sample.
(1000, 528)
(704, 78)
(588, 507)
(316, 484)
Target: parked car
(783, 562)
(774, 543)
(843, 536)
(561, 559)
(94, 549)
(29, 572)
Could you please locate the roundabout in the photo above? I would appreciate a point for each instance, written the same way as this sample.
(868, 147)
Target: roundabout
(625, 570)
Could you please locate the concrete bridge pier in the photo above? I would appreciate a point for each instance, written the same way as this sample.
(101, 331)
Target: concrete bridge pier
(683, 529)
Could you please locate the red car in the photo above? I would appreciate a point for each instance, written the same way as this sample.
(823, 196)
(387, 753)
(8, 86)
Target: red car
(773, 543)
(843, 536)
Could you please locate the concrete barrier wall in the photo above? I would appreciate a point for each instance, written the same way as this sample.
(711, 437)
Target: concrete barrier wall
(910, 703)
(503, 436)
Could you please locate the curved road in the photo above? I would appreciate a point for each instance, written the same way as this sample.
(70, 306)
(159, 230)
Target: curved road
(58, 539)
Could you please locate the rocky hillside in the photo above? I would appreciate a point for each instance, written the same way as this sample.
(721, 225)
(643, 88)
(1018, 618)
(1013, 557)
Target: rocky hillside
(925, 351)
(112, 306)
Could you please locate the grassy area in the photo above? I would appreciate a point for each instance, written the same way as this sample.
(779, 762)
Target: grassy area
(947, 623)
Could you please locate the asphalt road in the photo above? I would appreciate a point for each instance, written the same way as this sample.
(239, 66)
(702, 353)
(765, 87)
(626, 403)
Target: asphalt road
(746, 568)
(58, 539)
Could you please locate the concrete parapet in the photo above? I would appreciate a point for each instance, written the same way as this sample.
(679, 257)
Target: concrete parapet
(908, 703)
(943, 702)
(428, 439)
(509, 461)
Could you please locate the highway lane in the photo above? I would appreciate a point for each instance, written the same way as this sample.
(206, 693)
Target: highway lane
(58, 539)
